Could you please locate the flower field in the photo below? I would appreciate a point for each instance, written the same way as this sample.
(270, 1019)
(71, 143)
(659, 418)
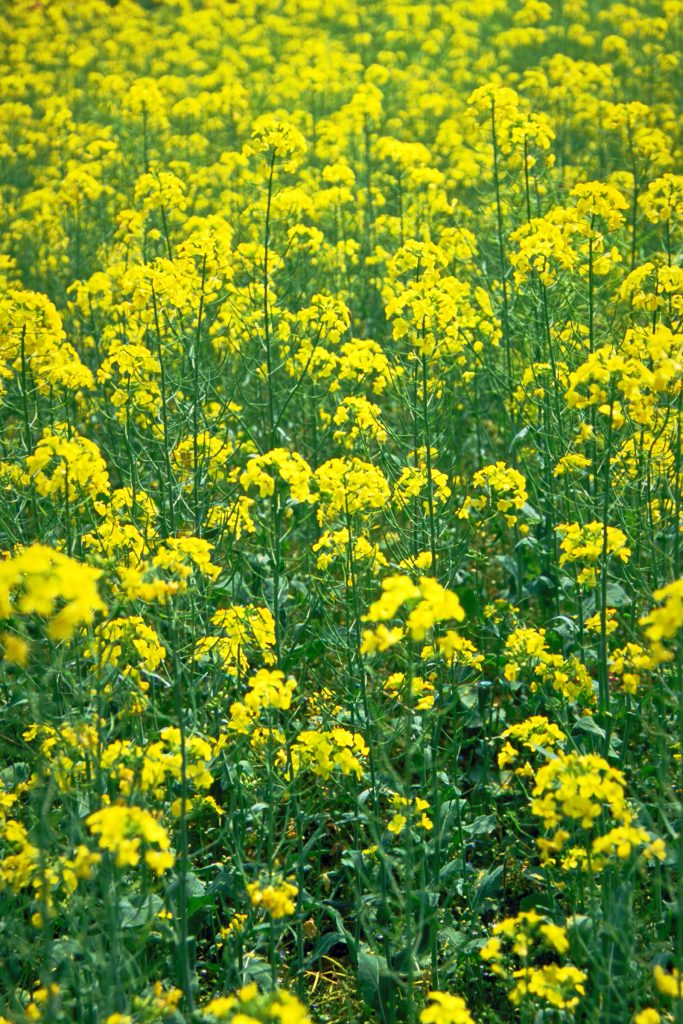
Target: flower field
(341, 512)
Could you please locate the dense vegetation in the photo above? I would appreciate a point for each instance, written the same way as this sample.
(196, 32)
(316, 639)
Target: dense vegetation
(341, 384)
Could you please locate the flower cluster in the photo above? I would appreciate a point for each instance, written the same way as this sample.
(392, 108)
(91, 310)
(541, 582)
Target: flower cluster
(663, 623)
(430, 603)
(497, 488)
(122, 831)
(277, 899)
(248, 1004)
(590, 544)
(519, 940)
(41, 581)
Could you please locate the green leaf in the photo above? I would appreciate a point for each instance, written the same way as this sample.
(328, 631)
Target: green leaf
(539, 901)
(15, 773)
(257, 969)
(615, 597)
(196, 903)
(193, 885)
(377, 984)
(324, 945)
(531, 514)
(449, 816)
(454, 939)
(482, 826)
(224, 883)
(131, 916)
(590, 726)
(488, 887)
(342, 929)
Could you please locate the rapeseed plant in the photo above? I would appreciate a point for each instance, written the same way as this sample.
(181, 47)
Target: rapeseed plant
(341, 532)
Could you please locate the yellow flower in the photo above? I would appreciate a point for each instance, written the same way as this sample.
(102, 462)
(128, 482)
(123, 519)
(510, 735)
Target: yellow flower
(277, 899)
(518, 940)
(445, 1009)
(290, 467)
(38, 580)
(432, 603)
(587, 544)
(496, 488)
(122, 830)
(647, 1016)
(663, 623)
(380, 638)
(15, 649)
(277, 140)
(66, 464)
(669, 983)
(350, 486)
